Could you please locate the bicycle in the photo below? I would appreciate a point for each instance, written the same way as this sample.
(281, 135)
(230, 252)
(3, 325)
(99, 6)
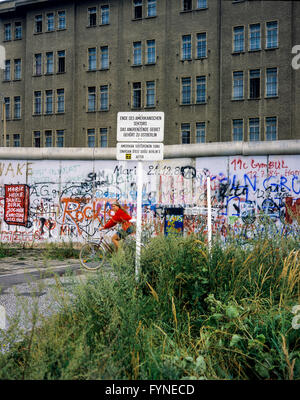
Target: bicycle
(93, 254)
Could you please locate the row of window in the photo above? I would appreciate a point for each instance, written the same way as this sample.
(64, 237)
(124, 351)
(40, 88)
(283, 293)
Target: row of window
(13, 140)
(196, 132)
(48, 66)
(254, 87)
(138, 58)
(51, 21)
(254, 129)
(255, 37)
(49, 138)
(54, 101)
(190, 133)
(99, 100)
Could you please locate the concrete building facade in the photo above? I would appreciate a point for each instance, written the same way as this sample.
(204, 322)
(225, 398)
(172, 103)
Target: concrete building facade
(219, 69)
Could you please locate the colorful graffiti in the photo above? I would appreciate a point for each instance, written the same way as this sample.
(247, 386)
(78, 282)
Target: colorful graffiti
(56, 200)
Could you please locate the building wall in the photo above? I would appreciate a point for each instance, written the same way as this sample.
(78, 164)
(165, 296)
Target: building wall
(167, 29)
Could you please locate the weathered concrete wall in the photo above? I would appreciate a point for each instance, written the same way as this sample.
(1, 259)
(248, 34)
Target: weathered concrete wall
(70, 199)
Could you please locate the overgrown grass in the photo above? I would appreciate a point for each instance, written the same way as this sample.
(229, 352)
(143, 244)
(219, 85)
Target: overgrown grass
(191, 315)
(7, 251)
(54, 251)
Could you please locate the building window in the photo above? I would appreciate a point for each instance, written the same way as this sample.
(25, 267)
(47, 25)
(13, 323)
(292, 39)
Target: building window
(60, 137)
(60, 100)
(36, 139)
(137, 9)
(50, 22)
(7, 107)
(7, 141)
(137, 53)
(16, 140)
(200, 89)
(238, 85)
(38, 24)
(7, 32)
(38, 64)
(271, 82)
(237, 130)
(17, 69)
(187, 5)
(150, 94)
(61, 20)
(103, 137)
(185, 133)
(238, 39)
(37, 103)
(185, 90)
(7, 70)
(61, 61)
(272, 35)
(48, 139)
(200, 132)
(254, 39)
(254, 84)
(104, 57)
(137, 95)
(104, 14)
(201, 45)
(92, 16)
(92, 98)
(151, 8)
(186, 49)
(91, 137)
(49, 101)
(271, 128)
(151, 52)
(104, 98)
(92, 59)
(253, 129)
(18, 30)
(17, 107)
(49, 63)
(201, 4)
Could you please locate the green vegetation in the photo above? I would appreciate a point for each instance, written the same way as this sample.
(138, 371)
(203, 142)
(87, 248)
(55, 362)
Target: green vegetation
(54, 251)
(7, 251)
(192, 315)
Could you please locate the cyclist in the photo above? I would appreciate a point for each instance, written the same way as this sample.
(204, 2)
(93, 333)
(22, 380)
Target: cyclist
(120, 217)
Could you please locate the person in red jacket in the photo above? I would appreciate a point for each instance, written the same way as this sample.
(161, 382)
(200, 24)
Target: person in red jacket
(120, 217)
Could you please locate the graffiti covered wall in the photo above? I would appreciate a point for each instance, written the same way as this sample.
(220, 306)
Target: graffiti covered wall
(51, 200)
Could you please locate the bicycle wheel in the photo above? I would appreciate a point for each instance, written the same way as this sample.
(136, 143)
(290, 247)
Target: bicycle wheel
(92, 256)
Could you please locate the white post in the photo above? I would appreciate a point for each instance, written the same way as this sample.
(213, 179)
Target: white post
(138, 217)
(208, 214)
(2, 318)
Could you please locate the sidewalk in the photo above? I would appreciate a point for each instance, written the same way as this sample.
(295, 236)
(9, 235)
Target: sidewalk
(30, 260)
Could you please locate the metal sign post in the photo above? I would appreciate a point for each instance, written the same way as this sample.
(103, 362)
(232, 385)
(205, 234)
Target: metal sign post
(208, 214)
(139, 218)
(143, 133)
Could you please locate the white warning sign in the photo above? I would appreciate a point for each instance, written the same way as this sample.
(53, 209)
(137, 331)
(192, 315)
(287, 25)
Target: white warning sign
(140, 126)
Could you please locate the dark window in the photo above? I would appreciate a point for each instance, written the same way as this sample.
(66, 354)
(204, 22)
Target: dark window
(138, 8)
(61, 61)
(92, 16)
(254, 84)
(137, 95)
(187, 5)
(36, 139)
(38, 24)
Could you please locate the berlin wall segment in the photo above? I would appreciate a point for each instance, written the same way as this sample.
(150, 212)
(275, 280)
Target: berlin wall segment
(48, 200)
